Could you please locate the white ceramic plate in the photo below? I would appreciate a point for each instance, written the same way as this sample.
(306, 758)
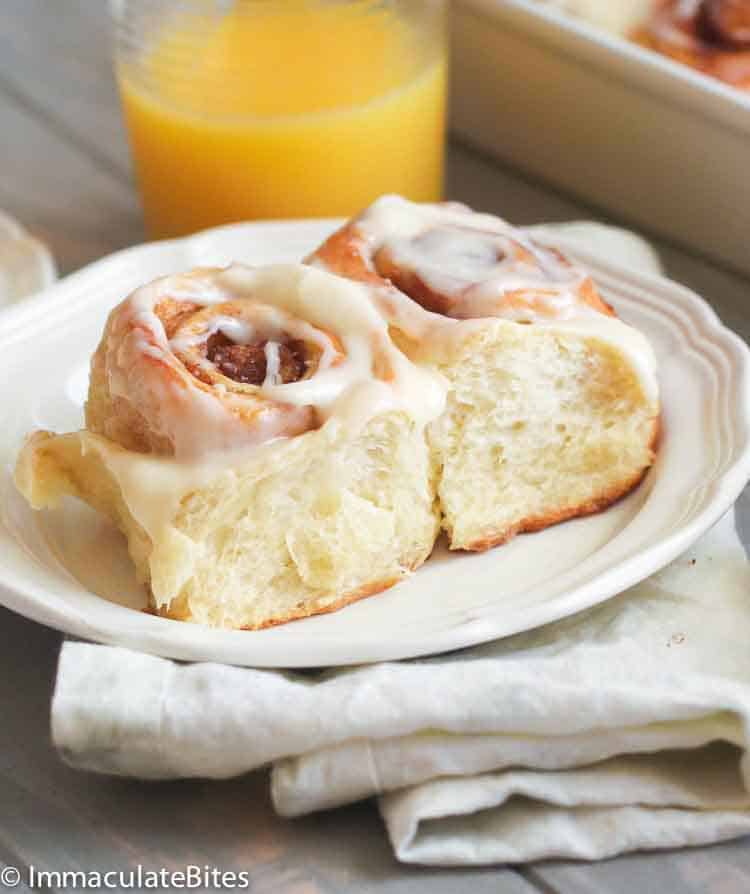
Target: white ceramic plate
(69, 568)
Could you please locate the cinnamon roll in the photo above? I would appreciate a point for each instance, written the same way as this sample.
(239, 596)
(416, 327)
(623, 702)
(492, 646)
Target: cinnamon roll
(712, 36)
(552, 409)
(260, 441)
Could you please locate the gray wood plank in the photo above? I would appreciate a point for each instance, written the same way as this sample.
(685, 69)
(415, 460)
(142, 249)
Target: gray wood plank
(7, 880)
(106, 824)
(55, 818)
(80, 211)
(723, 869)
(57, 57)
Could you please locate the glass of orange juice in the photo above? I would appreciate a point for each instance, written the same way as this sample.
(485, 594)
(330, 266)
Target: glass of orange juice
(240, 109)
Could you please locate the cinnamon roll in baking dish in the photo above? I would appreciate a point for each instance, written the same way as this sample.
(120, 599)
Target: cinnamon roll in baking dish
(712, 36)
(260, 441)
(552, 409)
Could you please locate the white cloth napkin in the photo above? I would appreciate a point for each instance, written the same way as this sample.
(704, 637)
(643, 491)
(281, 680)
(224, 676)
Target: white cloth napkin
(26, 265)
(624, 727)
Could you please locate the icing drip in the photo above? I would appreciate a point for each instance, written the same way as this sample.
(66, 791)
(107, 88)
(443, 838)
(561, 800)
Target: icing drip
(445, 272)
(273, 363)
(348, 369)
(468, 265)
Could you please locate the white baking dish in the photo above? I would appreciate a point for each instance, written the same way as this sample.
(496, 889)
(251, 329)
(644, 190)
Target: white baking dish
(644, 137)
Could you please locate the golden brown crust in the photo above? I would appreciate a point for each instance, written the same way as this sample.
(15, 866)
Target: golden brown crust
(370, 589)
(710, 37)
(344, 253)
(182, 614)
(599, 503)
(348, 253)
(159, 382)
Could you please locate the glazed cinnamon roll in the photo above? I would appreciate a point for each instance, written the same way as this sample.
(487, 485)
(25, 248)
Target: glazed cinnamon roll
(260, 441)
(712, 36)
(552, 409)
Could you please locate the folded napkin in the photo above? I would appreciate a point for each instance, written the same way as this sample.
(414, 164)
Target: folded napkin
(623, 727)
(26, 265)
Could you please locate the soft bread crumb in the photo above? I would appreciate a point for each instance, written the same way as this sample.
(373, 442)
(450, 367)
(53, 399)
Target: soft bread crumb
(342, 519)
(540, 426)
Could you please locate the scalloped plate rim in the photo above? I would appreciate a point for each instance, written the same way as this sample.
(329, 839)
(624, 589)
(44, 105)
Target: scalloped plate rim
(315, 647)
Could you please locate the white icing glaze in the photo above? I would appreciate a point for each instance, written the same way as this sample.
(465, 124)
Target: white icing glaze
(456, 253)
(259, 323)
(435, 337)
(475, 259)
(240, 331)
(270, 303)
(346, 309)
(273, 363)
(153, 488)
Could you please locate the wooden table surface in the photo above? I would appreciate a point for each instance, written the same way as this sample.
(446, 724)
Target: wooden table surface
(64, 172)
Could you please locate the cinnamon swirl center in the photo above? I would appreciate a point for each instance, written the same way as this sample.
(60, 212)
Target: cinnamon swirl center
(251, 364)
(469, 272)
(712, 36)
(727, 22)
(241, 344)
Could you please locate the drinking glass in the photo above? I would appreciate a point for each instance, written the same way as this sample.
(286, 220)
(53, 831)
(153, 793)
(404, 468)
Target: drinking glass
(242, 109)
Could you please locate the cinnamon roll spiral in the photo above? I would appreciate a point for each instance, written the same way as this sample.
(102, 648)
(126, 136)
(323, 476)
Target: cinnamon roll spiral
(260, 441)
(711, 36)
(220, 359)
(552, 407)
(458, 263)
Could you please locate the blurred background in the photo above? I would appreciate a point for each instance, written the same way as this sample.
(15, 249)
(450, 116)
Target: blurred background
(554, 114)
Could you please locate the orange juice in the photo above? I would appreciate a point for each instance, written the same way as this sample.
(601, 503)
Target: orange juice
(293, 108)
